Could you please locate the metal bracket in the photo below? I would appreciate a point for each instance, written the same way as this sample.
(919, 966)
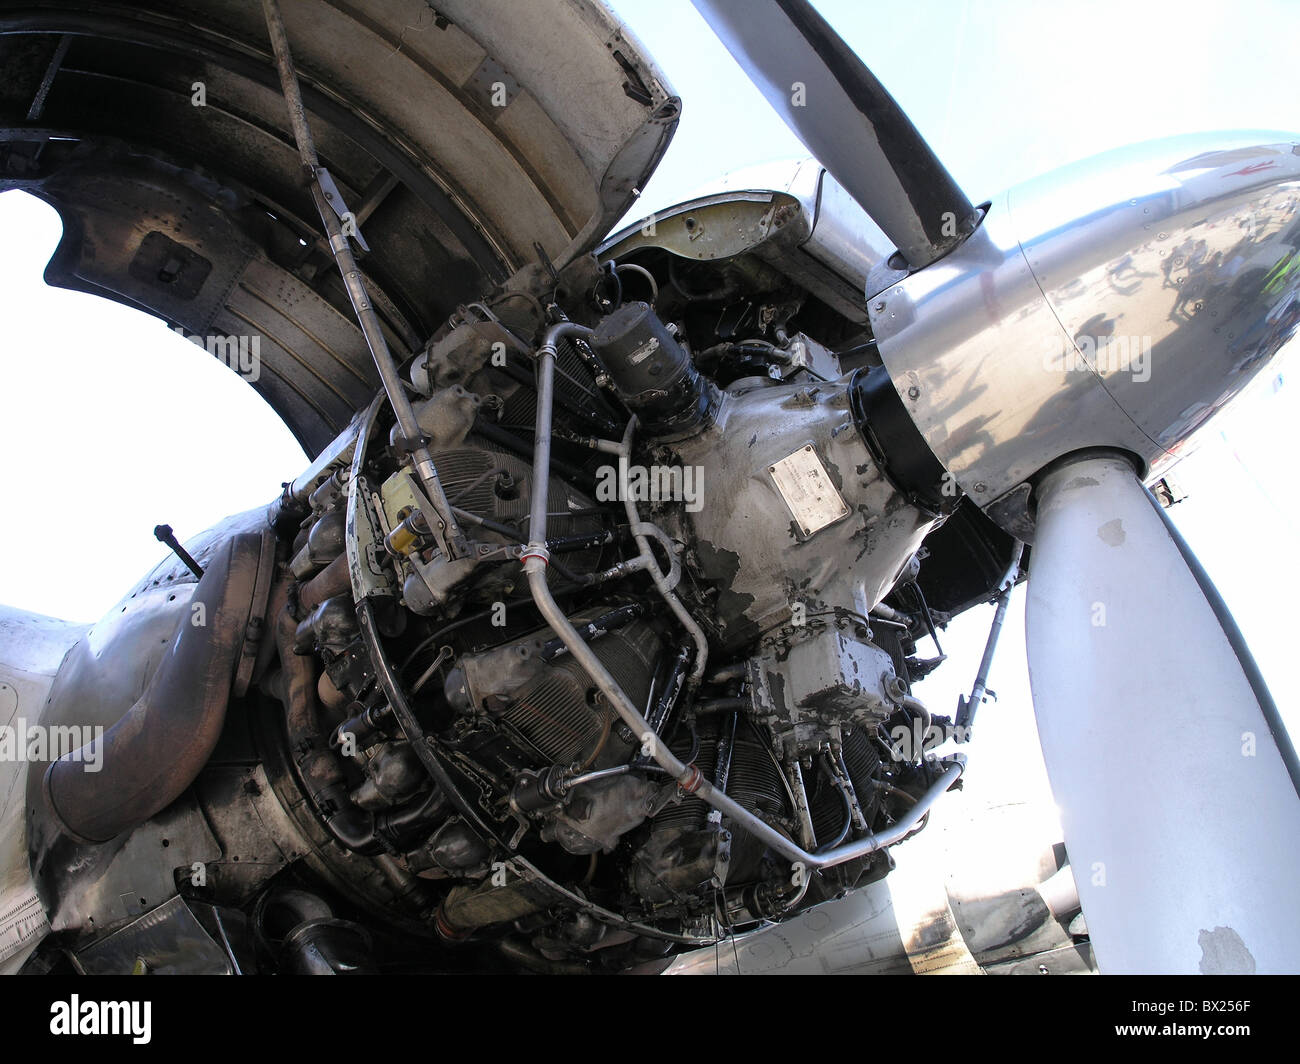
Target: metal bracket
(256, 629)
(335, 199)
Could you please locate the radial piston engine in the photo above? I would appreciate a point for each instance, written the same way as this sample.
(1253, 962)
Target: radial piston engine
(802, 531)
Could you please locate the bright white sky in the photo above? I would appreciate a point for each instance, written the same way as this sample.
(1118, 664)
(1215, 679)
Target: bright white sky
(112, 424)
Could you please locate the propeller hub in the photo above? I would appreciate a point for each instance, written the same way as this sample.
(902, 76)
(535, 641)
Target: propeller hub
(1118, 303)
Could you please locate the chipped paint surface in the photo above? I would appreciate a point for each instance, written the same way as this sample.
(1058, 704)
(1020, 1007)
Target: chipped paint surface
(1224, 953)
(1112, 533)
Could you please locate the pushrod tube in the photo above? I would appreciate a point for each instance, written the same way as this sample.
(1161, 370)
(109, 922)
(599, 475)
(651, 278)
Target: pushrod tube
(966, 712)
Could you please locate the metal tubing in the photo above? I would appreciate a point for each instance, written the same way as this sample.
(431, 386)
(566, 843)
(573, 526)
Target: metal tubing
(540, 500)
(888, 613)
(918, 709)
(645, 528)
(663, 583)
(597, 774)
(542, 438)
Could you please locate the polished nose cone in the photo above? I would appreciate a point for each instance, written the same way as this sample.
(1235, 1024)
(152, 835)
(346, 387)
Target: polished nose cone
(1117, 303)
(1172, 269)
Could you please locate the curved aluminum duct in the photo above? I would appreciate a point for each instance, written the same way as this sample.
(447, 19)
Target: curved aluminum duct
(154, 752)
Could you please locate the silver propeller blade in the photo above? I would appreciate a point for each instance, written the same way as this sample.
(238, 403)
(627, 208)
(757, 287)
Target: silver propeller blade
(844, 116)
(1176, 781)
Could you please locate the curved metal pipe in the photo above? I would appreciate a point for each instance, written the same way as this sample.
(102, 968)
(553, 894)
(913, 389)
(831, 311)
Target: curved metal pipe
(333, 580)
(919, 709)
(598, 774)
(645, 528)
(316, 943)
(542, 440)
(150, 756)
(664, 583)
(539, 502)
(735, 671)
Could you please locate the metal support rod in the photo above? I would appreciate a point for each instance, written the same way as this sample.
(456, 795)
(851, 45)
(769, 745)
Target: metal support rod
(966, 707)
(47, 82)
(447, 531)
(666, 701)
(164, 534)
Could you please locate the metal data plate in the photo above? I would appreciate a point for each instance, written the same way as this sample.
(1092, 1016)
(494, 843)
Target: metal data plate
(807, 489)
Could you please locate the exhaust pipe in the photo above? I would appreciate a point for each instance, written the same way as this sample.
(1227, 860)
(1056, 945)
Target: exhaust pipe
(155, 751)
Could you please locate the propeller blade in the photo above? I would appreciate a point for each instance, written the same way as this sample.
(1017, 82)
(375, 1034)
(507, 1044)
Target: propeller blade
(1175, 778)
(844, 116)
